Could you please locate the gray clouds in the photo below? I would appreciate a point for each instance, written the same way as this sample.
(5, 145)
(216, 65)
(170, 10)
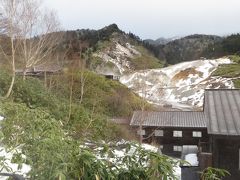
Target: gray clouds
(151, 18)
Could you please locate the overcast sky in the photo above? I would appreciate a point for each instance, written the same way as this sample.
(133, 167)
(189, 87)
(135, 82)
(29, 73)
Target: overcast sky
(151, 18)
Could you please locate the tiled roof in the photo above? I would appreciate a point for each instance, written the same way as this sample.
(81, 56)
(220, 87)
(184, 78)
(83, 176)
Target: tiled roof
(41, 68)
(47, 68)
(185, 119)
(222, 108)
(121, 120)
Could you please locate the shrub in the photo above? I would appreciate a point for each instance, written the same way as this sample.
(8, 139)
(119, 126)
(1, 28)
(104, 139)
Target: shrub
(52, 153)
(213, 174)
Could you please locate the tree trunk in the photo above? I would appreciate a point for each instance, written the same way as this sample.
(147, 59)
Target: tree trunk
(70, 100)
(45, 79)
(13, 69)
(50, 83)
(11, 86)
(142, 119)
(24, 74)
(140, 134)
(82, 79)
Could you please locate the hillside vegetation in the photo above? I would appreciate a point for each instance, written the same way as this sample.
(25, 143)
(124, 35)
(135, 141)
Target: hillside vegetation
(47, 122)
(101, 99)
(49, 125)
(230, 70)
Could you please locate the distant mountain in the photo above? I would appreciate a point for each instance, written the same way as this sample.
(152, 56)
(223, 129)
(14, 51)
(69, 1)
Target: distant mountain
(160, 41)
(177, 50)
(187, 49)
(194, 47)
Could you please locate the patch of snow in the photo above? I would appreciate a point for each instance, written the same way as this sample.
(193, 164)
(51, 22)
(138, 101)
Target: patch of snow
(178, 172)
(192, 159)
(13, 166)
(149, 147)
(122, 149)
(119, 153)
(119, 56)
(181, 85)
(123, 51)
(132, 49)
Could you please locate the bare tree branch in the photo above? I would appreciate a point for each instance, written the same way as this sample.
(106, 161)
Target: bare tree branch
(33, 32)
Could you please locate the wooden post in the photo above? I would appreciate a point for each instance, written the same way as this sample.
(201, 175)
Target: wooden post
(205, 160)
(45, 79)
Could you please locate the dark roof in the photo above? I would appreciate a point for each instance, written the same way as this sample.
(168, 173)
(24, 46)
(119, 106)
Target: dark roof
(47, 68)
(41, 68)
(185, 119)
(123, 121)
(222, 108)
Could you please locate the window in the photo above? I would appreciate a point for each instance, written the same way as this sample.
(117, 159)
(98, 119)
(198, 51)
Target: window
(197, 134)
(158, 132)
(143, 132)
(177, 148)
(177, 133)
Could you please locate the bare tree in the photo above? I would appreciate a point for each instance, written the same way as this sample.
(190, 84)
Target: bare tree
(143, 91)
(39, 35)
(31, 32)
(80, 68)
(9, 22)
(83, 73)
(3, 24)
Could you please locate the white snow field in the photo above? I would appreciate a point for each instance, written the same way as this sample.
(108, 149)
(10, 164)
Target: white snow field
(181, 85)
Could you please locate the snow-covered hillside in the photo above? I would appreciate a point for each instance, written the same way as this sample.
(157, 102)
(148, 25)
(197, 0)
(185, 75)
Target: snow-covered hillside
(118, 55)
(180, 86)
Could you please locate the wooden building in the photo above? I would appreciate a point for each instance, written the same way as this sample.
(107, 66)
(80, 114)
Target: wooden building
(44, 72)
(215, 130)
(112, 76)
(40, 70)
(222, 108)
(171, 129)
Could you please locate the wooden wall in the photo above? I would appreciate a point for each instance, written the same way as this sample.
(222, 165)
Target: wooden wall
(168, 141)
(226, 155)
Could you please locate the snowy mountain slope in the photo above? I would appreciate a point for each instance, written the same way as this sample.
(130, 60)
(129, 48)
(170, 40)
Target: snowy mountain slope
(180, 86)
(122, 54)
(118, 55)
